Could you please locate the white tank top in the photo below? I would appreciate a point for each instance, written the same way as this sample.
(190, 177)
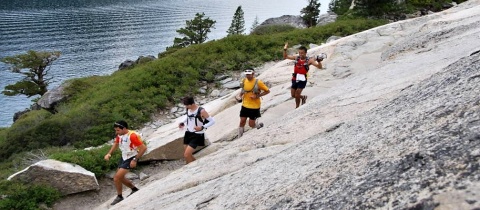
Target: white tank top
(191, 121)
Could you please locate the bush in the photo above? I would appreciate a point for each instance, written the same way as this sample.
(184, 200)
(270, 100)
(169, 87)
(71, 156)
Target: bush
(272, 29)
(18, 195)
(434, 5)
(92, 160)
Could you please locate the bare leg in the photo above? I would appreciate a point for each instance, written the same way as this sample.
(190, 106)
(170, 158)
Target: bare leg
(120, 179)
(298, 97)
(243, 121)
(251, 123)
(188, 154)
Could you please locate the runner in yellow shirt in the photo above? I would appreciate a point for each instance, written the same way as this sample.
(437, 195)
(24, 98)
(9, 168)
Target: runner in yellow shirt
(252, 90)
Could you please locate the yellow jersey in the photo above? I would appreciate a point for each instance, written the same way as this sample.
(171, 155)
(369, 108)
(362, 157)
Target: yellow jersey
(248, 85)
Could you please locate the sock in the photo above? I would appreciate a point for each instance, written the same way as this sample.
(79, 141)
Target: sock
(240, 132)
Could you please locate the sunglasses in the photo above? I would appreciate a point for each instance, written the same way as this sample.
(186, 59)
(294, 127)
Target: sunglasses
(118, 125)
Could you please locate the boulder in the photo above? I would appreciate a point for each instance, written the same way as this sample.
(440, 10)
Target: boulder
(326, 19)
(126, 64)
(226, 80)
(232, 85)
(215, 93)
(293, 20)
(19, 114)
(67, 178)
(221, 77)
(144, 59)
(52, 97)
(166, 144)
(332, 38)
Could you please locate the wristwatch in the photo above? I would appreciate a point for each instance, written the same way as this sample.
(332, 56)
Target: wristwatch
(134, 159)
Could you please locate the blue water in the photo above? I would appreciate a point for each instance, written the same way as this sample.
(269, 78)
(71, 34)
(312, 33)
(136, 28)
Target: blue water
(95, 36)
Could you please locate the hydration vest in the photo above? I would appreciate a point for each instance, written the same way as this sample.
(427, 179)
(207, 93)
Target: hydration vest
(305, 65)
(255, 88)
(198, 117)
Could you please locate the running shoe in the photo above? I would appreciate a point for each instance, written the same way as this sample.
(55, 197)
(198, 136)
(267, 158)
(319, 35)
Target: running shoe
(117, 199)
(304, 99)
(133, 191)
(258, 124)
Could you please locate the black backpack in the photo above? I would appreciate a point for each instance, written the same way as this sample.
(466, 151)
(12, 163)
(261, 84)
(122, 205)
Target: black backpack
(198, 116)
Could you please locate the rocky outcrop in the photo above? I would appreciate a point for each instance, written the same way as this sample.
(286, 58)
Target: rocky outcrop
(391, 123)
(295, 21)
(170, 150)
(325, 19)
(52, 97)
(127, 64)
(17, 115)
(144, 59)
(65, 177)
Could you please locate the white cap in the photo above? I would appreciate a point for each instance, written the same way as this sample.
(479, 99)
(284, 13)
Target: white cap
(248, 71)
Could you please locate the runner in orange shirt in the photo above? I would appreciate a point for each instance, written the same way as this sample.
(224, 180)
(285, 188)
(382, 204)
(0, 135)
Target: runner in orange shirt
(132, 147)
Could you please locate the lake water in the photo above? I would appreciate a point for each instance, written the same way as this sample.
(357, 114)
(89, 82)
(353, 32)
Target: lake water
(95, 36)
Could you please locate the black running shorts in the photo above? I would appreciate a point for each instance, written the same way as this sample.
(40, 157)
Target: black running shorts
(125, 163)
(253, 114)
(194, 139)
(299, 84)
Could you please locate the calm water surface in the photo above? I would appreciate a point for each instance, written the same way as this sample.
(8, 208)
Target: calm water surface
(95, 36)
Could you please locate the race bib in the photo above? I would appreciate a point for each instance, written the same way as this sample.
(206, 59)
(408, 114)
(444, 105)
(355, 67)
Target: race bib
(301, 77)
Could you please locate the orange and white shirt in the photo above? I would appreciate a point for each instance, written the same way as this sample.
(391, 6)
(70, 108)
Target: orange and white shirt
(128, 144)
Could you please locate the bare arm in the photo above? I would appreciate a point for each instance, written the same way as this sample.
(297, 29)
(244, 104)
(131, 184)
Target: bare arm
(182, 124)
(264, 89)
(141, 149)
(264, 93)
(204, 114)
(315, 63)
(109, 154)
(285, 56)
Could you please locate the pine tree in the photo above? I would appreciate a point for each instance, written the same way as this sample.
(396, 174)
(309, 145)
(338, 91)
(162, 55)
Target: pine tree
(375, 8)
(255, 24)
(340, 7)
(238, 23)
(310, 13)
(196, 30)
(34, 66)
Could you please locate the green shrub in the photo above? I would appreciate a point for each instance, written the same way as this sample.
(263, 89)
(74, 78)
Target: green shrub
(18, 195)
(272, 29)
(92, 160)
(434, 5)
(20, 136)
